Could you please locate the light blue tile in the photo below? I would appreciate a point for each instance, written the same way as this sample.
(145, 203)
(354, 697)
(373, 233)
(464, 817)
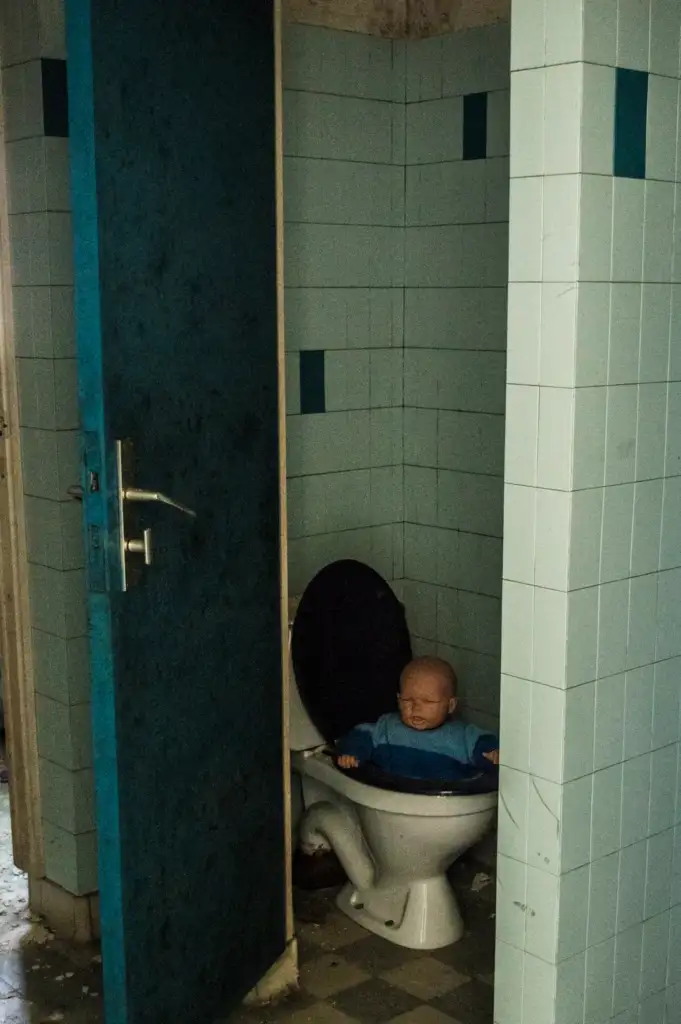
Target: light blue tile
(670, 546)
(613, 608)
(609, 721)
(387, 495)
(421, 603)
(574, 912)
(618, 517)
(603, 885)
(647, 526)
(544, 825)
(420, 495)
(513, 911)
(660, 851)
(446, 193)
(548, 733)
(43, 322)
(652, 1009)
(318, 59)
(478, 563)
(539, 989)
(434, 257)
(424, 69)
(54, 533)
(638, 711)
(435, 130)
(643, 621)
(508, 986)
(64, 733)
(497, 188)
(543, 914)
(471, 442)
(676, 870)
(420, 552)
(362, 193)
(67, 797)
(628, 949)
(420, 437)
(600, 967)
(667, 695)
(654, 954)
(578, 758)
(674, 976)
(323, 256)
(374, 545)
(386, 378)
(516, 705)
(70, 860)
(471, 502)
(663, 788)
(476, 60)
(58, 601)
(635, 799)
(330, 442)
(347, 380)
(386, 437)
(475, 624)
(421, 379)
(669, 614)
(514, 792)
(631, 885)
(498, 123)
(606, 819)
(343, 318)
(570, 984)
(292, 383)
(458, 318)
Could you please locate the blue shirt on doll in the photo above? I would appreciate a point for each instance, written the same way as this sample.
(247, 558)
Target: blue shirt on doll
(452, 751)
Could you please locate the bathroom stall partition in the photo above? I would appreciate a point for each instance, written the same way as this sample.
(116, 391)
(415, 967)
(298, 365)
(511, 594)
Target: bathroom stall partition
(396, 208)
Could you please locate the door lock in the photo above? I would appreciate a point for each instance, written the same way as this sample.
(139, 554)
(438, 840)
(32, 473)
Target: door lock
(128, 496)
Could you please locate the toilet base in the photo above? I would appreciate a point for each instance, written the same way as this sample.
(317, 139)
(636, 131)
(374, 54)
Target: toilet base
(430, 919)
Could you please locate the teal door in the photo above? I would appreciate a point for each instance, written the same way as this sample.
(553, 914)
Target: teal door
(172, 136)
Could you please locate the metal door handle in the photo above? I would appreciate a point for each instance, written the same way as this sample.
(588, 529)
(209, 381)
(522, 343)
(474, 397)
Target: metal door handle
(138, 494)
(129, 496)
(141, 547)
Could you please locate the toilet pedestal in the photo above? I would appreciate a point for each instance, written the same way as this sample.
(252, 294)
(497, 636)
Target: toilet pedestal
(430, 917)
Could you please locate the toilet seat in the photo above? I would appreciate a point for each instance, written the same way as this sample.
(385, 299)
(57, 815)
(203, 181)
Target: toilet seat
(349, 644)
(371, 775)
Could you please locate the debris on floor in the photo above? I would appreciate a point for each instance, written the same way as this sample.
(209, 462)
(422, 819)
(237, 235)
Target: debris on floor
(480, 882)
(42, 980)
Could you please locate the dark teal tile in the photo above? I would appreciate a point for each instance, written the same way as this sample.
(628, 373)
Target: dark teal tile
(631, 108)
(312, 384)
(55, 100)
(475, 126)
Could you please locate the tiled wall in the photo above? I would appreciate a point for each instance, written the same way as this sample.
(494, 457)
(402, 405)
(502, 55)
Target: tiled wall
(589, 896)
(32, 52)
(456, 272)
(344, 212)
(396, 203)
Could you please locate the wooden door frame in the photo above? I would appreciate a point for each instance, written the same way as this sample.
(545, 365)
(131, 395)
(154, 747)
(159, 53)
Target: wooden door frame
(15, 618)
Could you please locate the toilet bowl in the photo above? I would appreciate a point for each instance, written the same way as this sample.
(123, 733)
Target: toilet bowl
(394, 845)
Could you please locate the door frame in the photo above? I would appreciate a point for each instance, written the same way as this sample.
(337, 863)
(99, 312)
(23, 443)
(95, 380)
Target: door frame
(16, 647)
(283, 514)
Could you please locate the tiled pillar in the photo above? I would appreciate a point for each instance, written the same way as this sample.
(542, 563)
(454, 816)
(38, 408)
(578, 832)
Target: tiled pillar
(589, 914)
(32, 50)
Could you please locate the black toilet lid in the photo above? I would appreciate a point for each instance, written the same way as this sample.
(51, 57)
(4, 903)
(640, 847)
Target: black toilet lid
(349, 644)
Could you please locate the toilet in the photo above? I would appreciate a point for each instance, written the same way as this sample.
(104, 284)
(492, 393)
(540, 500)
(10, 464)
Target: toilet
(395, 838)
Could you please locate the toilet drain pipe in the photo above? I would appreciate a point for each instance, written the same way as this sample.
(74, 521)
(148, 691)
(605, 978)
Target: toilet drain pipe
(326, 823)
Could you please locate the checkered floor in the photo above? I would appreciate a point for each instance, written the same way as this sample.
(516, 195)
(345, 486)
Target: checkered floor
(348, 976)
